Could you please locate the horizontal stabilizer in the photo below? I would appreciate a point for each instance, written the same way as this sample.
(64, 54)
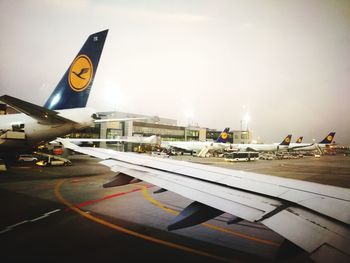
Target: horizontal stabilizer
(194, 214)
(119, 180)
(41, 114)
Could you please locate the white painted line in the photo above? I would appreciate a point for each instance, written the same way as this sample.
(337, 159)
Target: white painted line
(8, 228)
(54, 211)
(18, 224)
(5, 230)
(38, 218)
(45, 215)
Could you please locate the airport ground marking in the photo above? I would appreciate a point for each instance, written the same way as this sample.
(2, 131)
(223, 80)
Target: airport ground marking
(221, 229)
(131, 232)
(45, 215)
(89, 202)
(11, 227)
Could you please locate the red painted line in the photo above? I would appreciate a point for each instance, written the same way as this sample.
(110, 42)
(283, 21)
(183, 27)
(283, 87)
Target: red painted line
(77, 181)
(89, 202)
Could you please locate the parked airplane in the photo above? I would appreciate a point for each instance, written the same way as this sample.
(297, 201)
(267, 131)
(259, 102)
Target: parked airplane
(196, 146)
(63, 113)
(312, 146)
(265, 147)
(313, 216)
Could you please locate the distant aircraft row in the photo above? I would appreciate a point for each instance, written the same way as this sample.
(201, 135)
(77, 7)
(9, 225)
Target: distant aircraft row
(222, 144)
(314, 217)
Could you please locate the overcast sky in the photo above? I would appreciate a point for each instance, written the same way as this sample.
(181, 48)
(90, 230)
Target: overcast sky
(286, 63)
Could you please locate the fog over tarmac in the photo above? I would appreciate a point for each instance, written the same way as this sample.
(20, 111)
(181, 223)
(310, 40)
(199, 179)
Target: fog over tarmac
(285, 63)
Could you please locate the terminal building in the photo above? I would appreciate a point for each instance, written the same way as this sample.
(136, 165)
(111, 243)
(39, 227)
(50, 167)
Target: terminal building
(242, 137)
(144, 126)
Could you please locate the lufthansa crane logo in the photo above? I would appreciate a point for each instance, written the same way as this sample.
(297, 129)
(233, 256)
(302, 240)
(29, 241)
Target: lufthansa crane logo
(329, 138)
(299, 140)
(224, 135)
(80, 73)
(287, 140)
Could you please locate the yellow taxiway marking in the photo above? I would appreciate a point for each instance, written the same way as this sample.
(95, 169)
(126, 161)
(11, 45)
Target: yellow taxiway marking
(228, 231)
(130, 232)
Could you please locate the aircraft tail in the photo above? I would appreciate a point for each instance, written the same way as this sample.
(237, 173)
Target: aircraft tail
(286, 140)
(223, 137)
(300, 139)
(74, 88)
(328, 139)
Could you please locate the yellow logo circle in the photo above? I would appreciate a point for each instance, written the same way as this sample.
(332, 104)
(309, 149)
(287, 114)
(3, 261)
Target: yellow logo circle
(224, 135)
(287, 140)
(299, 140)
(80, 73)
(329, 138)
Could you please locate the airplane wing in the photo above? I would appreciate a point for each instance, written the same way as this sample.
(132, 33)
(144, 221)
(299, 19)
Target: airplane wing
(315, 217)
(41, 114)
(135, 139)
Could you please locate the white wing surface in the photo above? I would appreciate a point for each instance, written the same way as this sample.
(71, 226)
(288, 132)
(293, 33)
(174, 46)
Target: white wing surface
(133, 139)
(313, 216)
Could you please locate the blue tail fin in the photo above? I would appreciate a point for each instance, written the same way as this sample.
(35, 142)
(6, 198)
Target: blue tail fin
(300, 139)
(223, 137)
(328, 139)
(286, 140)
(74, 88)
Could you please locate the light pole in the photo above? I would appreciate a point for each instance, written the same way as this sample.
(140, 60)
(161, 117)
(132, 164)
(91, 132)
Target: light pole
(246, 120)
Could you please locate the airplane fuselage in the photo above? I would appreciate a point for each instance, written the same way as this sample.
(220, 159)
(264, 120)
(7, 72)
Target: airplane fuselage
(261, 147)
(306, 146)
(194, 146)
(198, 146)
(36, 132)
